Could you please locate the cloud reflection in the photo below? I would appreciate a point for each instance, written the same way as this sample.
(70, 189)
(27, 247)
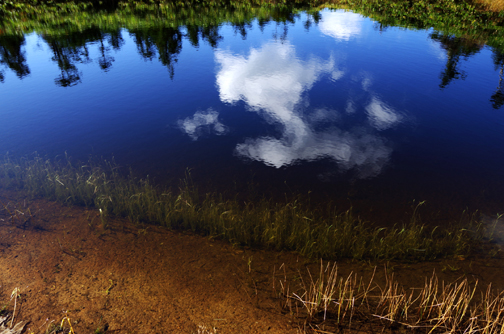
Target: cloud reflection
(341, 25)
(349, 149)
(271, 80)
(202, 122)
(381, 116)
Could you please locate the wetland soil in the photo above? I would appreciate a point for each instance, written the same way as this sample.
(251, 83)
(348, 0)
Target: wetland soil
(128, 278)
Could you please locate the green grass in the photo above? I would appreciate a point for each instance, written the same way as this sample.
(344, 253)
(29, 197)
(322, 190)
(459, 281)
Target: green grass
(310, 230)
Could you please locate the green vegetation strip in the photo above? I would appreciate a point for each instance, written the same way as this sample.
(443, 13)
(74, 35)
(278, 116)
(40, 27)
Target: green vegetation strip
(319, 232)
(60, 19)
(461, 18)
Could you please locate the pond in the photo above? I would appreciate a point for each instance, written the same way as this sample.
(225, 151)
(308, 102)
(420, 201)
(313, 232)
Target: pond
(328, 103)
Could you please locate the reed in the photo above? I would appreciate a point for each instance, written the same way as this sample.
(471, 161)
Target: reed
(313, 232)
(332, 302)
(319, 294)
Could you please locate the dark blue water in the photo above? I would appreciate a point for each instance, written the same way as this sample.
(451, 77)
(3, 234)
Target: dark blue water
(357, 116)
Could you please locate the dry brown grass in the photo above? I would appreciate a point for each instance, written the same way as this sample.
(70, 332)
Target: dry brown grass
(493, 5)
(328, 303)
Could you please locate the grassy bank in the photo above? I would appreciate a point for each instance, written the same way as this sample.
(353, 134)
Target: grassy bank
(312, 231)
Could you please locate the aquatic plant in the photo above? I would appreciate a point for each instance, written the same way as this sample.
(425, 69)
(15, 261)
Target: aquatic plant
(15, 295)
(6, 316)
(292, 225)
(329, 301)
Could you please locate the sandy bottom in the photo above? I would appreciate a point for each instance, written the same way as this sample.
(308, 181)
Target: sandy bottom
(147, 279)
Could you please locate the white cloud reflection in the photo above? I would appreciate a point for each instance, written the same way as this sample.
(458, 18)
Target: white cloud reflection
(202, 122)
(381, 116)
(271, 80)
(341, 25)
(348, 149)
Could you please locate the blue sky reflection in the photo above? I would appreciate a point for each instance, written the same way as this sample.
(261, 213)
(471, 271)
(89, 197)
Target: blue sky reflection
(272, 81)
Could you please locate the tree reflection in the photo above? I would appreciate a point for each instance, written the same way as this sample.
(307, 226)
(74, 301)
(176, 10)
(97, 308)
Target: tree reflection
(282, 35)
(497, 98)
(144, 44)
(241, 28)
(12, 56)
(455, 47)
(107, 41)
(72, 49)
(66, 53)
(105, 60)
(166, 42)
(169, 45)
(210, 34)
(313, 17)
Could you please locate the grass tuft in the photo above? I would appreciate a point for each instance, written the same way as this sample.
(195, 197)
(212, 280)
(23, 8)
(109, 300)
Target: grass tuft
(329, 302)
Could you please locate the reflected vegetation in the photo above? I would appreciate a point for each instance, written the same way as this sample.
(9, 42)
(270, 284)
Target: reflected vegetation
(272, 79)
(156, 40)
(165, 42)
(159, 30)
(12, 56)
(497, 98)
(455, 48)
(67, 53)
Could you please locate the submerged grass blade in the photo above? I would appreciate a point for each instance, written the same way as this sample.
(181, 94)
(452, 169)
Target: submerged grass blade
(292, 226)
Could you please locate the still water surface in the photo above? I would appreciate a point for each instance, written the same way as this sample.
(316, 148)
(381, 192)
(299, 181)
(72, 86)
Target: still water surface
(355, 114)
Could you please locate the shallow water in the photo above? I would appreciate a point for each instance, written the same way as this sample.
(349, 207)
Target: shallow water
(377, 119)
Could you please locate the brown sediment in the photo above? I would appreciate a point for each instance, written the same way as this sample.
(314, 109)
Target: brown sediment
(147, 279)
(130, 279)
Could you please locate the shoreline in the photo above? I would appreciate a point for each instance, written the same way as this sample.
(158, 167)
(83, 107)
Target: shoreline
(147, 279)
